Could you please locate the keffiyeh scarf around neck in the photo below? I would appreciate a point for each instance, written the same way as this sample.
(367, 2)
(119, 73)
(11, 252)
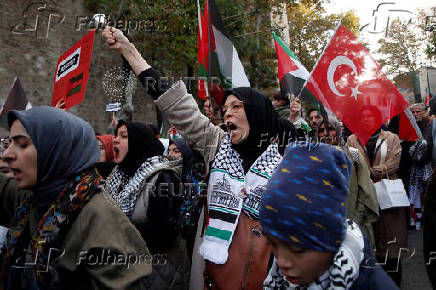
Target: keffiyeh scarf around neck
(343, 272)
(125, 189)
(231, 191)
(419, 174)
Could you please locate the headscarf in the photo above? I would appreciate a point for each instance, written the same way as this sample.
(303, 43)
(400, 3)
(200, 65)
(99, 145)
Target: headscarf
(185, 150)
(65, 145)
(108, 143)
(143, 144)
(264, 124)
(305, 202)
(372, 141)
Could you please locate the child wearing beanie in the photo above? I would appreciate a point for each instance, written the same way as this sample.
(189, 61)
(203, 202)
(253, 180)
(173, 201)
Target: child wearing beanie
(303, 216)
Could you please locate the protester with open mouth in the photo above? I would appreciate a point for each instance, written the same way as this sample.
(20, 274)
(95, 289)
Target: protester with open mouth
(53, 153)
(106, 163)
(147, 187)
(233, 252)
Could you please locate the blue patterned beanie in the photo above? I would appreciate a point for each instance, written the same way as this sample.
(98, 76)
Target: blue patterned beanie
(305, 202)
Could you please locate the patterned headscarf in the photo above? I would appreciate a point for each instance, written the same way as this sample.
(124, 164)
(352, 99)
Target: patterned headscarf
(305, 201)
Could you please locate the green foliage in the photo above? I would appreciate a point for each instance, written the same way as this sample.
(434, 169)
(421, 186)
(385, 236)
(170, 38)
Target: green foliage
(311, 28)
(400, 50)
(431, 27)
(170, 40)
(431, 47)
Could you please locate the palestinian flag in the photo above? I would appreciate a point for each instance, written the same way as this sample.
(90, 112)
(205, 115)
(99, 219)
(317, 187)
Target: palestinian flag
(218, 59)
(428, 98)
(203, 92)
(16, 100)
(162, 132)
(292, 74)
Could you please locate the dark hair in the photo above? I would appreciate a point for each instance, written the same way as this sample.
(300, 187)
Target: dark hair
(154, 128)
(311, 110)
(280, 96)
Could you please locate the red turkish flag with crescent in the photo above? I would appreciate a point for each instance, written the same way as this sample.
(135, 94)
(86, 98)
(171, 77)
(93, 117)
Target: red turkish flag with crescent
(72, 72)
(350, 83)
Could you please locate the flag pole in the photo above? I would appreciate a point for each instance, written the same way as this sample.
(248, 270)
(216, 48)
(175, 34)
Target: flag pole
(209, 58)
(321, 105)
(319, 58)
(428, 87)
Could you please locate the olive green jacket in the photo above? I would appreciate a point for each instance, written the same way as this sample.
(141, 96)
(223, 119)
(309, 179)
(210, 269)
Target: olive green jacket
(363, 206)
(100, 227)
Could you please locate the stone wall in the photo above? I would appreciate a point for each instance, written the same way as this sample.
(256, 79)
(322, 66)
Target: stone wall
(31, 52)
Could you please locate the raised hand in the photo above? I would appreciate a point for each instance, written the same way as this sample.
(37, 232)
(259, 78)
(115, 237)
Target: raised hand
(60, 104)
(115, 38)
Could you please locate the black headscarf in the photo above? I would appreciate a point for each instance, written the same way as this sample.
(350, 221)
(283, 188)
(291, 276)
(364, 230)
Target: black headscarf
(185, 150)
(265, 125)
(143, 144)
(65, 145)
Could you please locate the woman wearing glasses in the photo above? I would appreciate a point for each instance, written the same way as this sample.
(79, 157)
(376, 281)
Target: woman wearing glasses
(233, 252)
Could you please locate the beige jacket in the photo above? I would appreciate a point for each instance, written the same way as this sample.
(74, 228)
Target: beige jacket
(363, 205)
(390, 230)
(392, 160)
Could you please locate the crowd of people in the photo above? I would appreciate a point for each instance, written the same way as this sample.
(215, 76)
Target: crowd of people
(253, 194)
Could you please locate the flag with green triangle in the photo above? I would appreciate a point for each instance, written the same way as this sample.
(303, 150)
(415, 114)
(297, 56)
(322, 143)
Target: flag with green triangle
(219, 66)
(293, 75)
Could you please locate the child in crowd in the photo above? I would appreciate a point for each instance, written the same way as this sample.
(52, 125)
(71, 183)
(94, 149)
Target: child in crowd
(303, 216)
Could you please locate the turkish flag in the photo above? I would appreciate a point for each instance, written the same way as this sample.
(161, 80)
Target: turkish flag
(350, 83)
(408, 128)
(72, 72)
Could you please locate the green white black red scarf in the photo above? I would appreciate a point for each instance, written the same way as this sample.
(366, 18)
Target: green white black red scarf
(230, 191)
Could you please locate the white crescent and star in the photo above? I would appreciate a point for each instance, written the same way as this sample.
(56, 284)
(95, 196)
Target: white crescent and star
(341, 60)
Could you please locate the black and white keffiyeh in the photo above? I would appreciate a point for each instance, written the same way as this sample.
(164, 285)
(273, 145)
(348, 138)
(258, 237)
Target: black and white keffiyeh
(232, 191)
(124, 189)
(342, 273)
(419, 174)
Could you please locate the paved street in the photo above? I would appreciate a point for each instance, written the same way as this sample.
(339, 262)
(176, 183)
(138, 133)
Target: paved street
(414, 273)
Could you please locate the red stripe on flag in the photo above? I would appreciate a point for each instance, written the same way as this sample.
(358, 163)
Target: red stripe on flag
(285, 62)
(408, 130)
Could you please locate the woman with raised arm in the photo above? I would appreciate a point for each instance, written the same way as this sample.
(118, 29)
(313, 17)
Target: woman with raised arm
(230, 251)
(66, 233)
